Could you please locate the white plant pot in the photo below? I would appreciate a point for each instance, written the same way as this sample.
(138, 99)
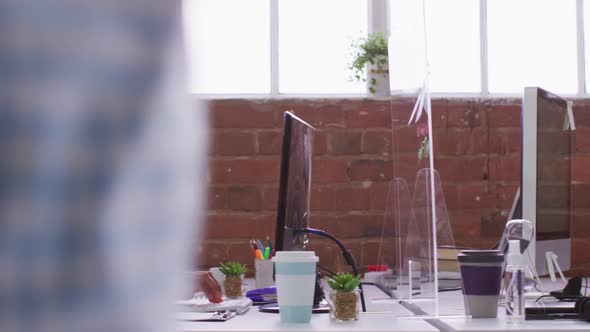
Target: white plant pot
(381, 77)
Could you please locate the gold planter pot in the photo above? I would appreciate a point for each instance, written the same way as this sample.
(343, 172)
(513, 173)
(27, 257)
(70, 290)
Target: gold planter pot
(344, 306)
(233, 286)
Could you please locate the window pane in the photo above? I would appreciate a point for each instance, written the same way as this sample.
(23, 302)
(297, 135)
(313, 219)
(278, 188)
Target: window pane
(406, 45)
(228, 45)
(314, 45)
(587, 42)
(453, 45)
(532, 43)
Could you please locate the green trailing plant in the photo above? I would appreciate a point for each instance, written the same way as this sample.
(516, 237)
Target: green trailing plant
(233, 269)
(344, 282)
(369, 50)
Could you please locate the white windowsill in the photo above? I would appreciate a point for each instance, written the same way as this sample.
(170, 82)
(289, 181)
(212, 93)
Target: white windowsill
(364, 96)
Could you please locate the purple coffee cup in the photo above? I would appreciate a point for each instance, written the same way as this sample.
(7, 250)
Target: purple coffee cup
(481, 278)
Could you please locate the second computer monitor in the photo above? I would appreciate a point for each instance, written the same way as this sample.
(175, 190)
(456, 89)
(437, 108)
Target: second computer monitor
(544, 196)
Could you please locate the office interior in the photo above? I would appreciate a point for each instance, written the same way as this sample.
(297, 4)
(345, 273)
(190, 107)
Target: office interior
(472, 113)
(480, 63)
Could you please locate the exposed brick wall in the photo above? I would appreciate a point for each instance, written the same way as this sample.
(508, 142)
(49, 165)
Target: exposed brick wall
(477, 152)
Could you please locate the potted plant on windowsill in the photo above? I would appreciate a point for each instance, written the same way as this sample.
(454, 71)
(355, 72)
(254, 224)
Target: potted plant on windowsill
(370, 63)
(233, 278)
(344, 297)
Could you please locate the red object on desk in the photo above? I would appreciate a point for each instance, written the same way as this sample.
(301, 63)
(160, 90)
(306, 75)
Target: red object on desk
(376, 268)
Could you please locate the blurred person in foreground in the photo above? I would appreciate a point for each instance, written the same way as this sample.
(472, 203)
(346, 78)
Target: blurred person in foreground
(101, 165)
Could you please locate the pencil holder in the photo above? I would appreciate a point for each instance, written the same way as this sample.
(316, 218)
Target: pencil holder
(264, 268)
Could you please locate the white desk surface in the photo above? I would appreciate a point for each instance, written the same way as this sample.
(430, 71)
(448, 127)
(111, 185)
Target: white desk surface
(258, 321)
(381, 318)
(387, 316)
(498, 324)
(451, 303)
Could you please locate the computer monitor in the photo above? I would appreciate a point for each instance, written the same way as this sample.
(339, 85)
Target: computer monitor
(294, 184)
(544, 194)
(293, 211)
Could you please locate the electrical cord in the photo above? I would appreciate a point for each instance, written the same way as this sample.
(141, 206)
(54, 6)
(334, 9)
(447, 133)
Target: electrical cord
(572, 291)
(449, 289)
(331, 273)
(348, 257)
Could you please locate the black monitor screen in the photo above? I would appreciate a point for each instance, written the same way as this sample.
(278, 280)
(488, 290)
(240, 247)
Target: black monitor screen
(294, 184)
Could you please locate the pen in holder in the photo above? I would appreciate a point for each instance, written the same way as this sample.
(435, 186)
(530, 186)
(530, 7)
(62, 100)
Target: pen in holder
(264, 268)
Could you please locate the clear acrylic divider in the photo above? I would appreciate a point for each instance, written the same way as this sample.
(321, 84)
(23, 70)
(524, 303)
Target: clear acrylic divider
(423, 270)
(423, 231)
(392, 246)
(424, 226)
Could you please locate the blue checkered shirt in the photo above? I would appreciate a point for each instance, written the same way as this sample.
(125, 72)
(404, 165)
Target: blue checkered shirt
(99, 165)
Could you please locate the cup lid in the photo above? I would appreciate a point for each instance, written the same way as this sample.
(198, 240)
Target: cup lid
(480, 256)
(295, 256)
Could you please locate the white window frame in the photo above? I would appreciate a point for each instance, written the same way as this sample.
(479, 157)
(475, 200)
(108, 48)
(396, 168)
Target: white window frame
(378, 20)
(483, 21)
(581, 49)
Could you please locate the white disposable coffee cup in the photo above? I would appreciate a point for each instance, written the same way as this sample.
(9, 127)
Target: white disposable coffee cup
(295, 274)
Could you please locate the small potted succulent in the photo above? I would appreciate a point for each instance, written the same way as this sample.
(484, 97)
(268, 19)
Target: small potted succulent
(232, 283)
(344, 296)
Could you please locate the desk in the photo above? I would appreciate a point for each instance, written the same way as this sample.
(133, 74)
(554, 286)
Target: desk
(500, 324)
(382, 318)
(466, 324)
(451, 303)
(258, 321)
